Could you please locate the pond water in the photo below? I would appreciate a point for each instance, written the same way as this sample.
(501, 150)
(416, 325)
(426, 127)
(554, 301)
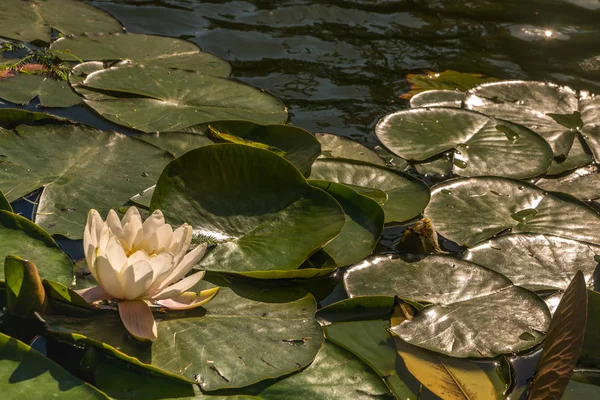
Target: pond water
(341, 65)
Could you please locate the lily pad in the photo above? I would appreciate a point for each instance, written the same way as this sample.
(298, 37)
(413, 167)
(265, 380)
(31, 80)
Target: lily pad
(243, 197)
(4, 203)
(557, 113)
(26, 373)
(470, 210)
(447, 80)
(364, 224)
(157, 99)
(482, 145)
(241, 337)
(32, 20)
(149, 50)
(536, 261)
(438, 168)
(438, 98)
(579, 155)
(21, 237)
(475, 312)
(21, 89)
(406, 196)
(334, 146)
(583, 184)
(101, 170)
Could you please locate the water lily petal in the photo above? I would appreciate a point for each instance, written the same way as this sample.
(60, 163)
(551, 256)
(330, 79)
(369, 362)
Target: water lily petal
(178, 288)
(138, 320)
(132, 227)
(115, 254)
(189, 300)
(108, 277)
(180, 242)
(152, 223)
(161, 238)
(136, 279)
(185, 265)
(113, 222)
(138, 256)
(93, 294)
(93, 227)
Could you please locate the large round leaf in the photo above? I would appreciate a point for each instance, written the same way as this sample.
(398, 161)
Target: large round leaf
(21, 89)
(23, 238)
(256, 205)
(557, 113)
(469, 210)
(34, 19)
(334, 146)
(482, 145)
(150, 50)
(100, 170)
(25, 373)
(157, 99)
(475, 312)
(406, 195)
(241, 337)
(583, 183)
(364, 224)
(438, 98)
(536, 261)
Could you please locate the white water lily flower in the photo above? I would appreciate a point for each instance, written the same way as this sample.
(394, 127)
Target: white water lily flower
(140, 264)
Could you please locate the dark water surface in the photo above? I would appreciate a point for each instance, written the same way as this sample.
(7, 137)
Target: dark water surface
(341, 65)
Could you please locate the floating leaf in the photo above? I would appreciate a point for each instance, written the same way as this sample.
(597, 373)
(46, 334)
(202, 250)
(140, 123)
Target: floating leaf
(157, 99)
(243, 336)
(470, 210)
(21, 89)
(334, 146)
(482, 145)
(476, 312)
(4, 204)
(149, 50)
(590, 353)
(563, 343)
(583, 184)
(406, 195)
(101, 170)
(32, 20)
(364, 224)
(25, 294)
(447, 80)
(536, 261)
(26, 373)
(243, 197)
(438, 98)
(19, 236)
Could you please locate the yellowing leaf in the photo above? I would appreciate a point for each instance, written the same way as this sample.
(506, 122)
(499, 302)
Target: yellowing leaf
(563, 343)
(447, 80)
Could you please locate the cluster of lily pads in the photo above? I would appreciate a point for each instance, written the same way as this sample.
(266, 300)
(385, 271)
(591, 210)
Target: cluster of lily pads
(288, 217)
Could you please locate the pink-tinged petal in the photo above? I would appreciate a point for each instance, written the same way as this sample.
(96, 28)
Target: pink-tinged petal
(136, 279)
(180, 242)
(189, 300)
(188, 262)
(113, 222)
(115, 254)
(93, 294)
(108, 278)
(132, 227)
(177, 288)
(137, 317)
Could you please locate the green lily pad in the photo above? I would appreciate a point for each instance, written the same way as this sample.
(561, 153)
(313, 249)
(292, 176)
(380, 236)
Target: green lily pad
(157, 99)
(241, 337)
(583, 184)
(242, 198)
(482, 145)
(367, 337)
(364, 224)
(21, 237)
(536, 261)
(4, 203)
(579, 156)
(101, 170)
(149, 50)
(475, 312)
(406, 196)
(21, 89)
(334, 146)
(33, 20)
(438, 168)
(26, 373)
(470, 210)
(438, 98)
(12, 116)
(557, 113)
